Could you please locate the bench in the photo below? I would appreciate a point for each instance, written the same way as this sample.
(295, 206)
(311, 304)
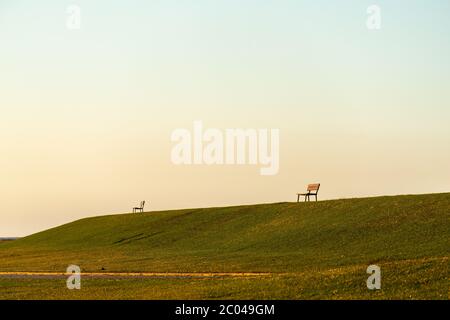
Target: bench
(140, 208)
(312, 190)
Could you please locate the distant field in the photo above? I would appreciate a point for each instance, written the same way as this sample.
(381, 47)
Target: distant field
(7, 239)
(311, 250)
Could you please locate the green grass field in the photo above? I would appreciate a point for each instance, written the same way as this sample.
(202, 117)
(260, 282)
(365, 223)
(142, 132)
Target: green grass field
(312, 250)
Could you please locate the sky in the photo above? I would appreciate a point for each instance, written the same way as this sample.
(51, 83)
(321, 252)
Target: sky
(86, 115)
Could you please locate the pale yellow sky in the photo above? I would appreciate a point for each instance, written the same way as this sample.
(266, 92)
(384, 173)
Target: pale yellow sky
(87, 115)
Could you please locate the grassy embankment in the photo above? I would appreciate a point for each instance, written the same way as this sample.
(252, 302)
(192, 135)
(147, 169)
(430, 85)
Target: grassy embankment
(312, 250)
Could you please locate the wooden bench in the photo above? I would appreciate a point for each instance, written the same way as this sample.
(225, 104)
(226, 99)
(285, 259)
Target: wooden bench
(312, 190)
(140, 208)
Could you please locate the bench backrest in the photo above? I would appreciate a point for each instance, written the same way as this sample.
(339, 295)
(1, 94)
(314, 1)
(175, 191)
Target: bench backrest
(142, 204)
(313, 187)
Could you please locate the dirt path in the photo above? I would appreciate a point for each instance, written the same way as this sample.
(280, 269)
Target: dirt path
(135, 274)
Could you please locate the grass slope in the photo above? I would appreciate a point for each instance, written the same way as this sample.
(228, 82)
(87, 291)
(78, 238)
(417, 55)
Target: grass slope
(324, 246)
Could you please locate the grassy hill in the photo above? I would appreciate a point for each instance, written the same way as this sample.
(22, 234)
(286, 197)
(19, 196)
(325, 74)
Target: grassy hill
(309, 244)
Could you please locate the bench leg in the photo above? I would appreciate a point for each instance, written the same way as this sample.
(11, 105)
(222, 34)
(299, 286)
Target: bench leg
(316, 197)
(298, 198)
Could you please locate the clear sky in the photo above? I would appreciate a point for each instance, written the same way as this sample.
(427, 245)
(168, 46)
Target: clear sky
(86, 115)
